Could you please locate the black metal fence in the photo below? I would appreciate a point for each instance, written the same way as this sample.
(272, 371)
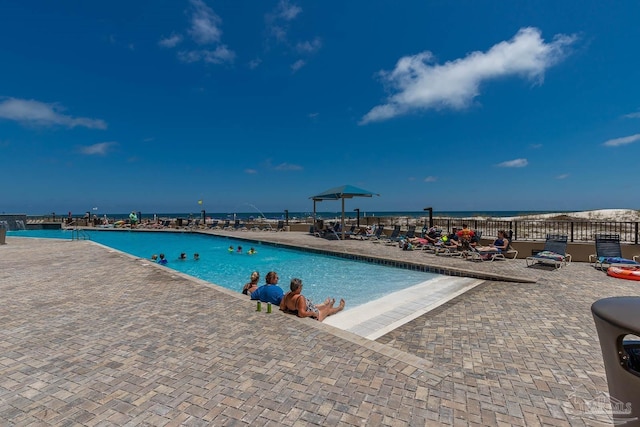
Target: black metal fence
(577, 231)
(523, 230)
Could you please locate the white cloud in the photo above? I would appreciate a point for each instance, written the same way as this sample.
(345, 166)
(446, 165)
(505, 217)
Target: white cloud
(287, 11)
(99, 149)
(535, 146)
(254, 63)
(632, 116)
(277, 21)
(419, 84)
(516, 163)
(313, 115)
(251, 171)
(297, 65)
(172, 41)
(219, 55)
(204, 30)
(622, 141)
(563, 176)
(309, 46)
(288, 167)
(36, 113)
(205, 24)
(431, 179)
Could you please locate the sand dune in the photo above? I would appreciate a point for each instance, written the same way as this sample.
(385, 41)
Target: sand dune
(620, 215)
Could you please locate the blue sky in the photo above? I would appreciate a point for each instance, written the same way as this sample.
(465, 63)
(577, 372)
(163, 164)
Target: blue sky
(460, 105)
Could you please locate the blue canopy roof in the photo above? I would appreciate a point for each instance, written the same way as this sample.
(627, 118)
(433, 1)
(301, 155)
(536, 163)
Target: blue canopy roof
(343, 192)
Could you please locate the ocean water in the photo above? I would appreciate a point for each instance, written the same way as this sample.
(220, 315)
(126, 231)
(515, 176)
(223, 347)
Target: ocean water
(322, 275)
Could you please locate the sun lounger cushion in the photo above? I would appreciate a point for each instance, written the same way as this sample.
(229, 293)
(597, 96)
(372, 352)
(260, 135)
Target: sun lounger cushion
(549, 255)
(616, 260)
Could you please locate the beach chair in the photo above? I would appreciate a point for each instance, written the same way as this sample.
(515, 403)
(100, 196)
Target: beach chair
(394, 237)
(411, 232)
(279, 227)
(451, 251)
(237, 225)
(214, 224)
(226, 225)
(375, 237)
(554, 252)
(476, 254)
(511, 252)
(351, 231)
(609, 253)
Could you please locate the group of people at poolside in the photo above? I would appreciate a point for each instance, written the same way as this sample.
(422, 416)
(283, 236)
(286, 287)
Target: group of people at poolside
(463, 239)
(161, 259)
(293, 301)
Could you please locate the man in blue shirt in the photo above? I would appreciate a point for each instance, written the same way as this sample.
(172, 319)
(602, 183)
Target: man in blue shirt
(270, 292)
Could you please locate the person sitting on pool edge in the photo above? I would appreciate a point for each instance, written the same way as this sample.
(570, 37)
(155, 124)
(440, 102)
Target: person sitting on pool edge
(250, 287)
(296, 303)
(270, 291)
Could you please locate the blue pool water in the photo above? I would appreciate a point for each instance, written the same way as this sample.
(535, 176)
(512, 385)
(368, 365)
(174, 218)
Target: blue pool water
(322, 275)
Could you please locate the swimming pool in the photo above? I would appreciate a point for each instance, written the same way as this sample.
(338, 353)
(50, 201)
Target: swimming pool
(322, 275)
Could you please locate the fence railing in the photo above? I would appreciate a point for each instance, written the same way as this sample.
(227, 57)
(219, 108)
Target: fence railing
(577, 231)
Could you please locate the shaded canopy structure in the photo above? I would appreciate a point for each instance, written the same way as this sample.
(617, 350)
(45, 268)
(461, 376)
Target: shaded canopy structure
(340, 193)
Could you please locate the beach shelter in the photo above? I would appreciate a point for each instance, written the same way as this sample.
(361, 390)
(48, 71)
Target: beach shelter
(340, 193)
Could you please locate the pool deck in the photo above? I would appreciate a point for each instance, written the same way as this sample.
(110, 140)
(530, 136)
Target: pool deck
(95, 337)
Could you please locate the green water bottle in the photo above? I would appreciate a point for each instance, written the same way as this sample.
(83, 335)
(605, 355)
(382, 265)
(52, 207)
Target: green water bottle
(259, 306)
(268, 307)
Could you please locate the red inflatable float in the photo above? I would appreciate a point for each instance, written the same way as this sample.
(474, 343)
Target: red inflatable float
(632, 273)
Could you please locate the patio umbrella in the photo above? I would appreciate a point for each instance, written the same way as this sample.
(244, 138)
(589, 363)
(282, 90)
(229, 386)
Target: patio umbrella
(340, 193)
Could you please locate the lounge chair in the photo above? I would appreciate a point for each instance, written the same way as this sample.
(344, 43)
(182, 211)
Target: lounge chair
(237, 225)
(279, 227)
(411, 232)
(351, 231)
(226, 225)
(214, 224)
(609, 253)
(554, 253)
(477, 254)
(394, 237)
(375, 237)
(452, 251)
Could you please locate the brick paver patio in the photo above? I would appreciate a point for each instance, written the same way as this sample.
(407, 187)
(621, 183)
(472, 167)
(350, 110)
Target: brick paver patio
(94, 337)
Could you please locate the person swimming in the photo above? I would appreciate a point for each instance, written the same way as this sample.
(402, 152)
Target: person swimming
(196, 256)
(230, 249)
(162, 260)
(251, 251)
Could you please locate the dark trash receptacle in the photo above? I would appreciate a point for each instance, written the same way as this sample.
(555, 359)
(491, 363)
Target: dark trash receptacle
(179, 222)
(615, 318)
